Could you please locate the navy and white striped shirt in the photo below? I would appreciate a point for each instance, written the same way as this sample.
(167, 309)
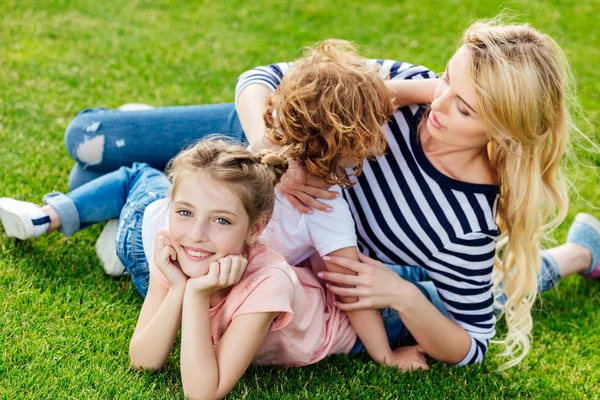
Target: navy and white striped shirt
(407, 212)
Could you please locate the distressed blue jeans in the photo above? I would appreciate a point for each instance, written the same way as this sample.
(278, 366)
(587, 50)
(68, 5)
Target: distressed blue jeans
(102, 140)
(124, 194)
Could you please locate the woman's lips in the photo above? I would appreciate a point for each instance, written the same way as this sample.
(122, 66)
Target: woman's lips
(435, 122)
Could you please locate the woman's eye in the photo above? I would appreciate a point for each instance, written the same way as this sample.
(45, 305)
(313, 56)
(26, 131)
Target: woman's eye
(222, 221)
(463, 112)
(184, 213)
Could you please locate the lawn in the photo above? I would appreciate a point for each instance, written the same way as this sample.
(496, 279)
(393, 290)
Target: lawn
(65, 326)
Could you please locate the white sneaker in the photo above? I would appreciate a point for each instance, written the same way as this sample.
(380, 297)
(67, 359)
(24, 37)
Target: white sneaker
(106, 249)
(22, 220)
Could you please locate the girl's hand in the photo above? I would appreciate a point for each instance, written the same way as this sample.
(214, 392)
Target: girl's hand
(410, 358)
(303, 189)
(222, 273)
(165, 258)
(374, 284)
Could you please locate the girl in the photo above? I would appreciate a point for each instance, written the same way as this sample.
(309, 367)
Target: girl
(190, 245)
(481, 167)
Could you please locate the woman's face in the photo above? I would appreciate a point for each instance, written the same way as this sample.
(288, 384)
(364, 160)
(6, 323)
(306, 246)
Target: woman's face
(454, 118)
(207, 222)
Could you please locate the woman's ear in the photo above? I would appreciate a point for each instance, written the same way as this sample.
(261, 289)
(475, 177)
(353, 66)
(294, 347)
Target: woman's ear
(256, 230)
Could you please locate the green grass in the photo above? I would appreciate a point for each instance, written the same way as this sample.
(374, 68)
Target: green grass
(65, 326)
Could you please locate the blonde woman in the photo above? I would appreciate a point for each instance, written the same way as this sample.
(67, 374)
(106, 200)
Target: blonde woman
(478, 183)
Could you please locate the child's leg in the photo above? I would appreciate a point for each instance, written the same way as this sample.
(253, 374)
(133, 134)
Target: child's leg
(151, 185)
(96, 201)
(102, 140)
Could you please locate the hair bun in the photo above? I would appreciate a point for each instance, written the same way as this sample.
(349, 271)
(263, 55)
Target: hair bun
(277, 164)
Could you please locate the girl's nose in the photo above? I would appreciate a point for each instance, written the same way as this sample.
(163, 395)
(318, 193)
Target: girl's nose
(199, 233)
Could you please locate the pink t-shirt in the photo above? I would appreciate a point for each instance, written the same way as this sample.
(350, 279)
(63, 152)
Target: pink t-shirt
(309, 328)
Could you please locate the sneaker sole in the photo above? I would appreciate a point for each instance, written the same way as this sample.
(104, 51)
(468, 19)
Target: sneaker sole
(588, 220)
(106, 250)
(13, 224)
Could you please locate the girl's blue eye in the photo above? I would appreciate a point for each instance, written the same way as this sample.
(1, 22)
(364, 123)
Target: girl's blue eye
(184, 213)
(222, 221)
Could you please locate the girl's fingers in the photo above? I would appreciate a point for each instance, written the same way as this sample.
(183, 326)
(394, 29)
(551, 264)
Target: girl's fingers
(343, 279)
(224, 270)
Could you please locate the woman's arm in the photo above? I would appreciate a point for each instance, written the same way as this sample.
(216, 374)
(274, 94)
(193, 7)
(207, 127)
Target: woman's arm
(379, 287)
(367, 323)
(412, 91)
(251, 104)
(157, 326)
(209, 373)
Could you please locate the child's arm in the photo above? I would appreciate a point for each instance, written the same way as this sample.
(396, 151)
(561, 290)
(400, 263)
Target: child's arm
(206, 372)
(157, 326)
(411, 91)
(367, 323)
(160, 317)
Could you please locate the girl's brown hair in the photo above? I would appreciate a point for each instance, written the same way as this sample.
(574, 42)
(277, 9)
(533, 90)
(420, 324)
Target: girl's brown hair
(251, 176)
(329, 108)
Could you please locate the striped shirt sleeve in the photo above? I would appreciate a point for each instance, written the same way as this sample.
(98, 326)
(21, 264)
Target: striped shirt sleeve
(466, 291)
(269, 76)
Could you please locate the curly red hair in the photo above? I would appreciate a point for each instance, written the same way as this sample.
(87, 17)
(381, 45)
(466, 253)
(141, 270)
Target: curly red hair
(329, 108)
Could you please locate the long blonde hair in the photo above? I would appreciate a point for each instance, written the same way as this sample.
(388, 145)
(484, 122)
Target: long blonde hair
(521, 79)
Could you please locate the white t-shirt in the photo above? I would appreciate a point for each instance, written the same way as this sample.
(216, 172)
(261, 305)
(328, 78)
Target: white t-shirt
(155, 219)
(297, 236)
(294, 235)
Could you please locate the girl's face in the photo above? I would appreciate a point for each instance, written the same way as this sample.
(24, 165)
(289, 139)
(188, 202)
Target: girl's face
(207, 222)
(454, 118)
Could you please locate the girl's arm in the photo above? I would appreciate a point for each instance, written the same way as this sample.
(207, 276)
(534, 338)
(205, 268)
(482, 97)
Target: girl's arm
(209, 373)
(157, 326)
(368, 324)
(206, 372)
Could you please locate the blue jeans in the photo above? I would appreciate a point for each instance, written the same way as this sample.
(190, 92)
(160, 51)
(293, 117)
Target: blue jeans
(396, 330)
(124, 194)
(102, 140)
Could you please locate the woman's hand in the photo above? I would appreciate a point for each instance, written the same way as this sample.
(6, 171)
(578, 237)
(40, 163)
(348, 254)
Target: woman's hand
(302, 189)
(410, 358)
(165, 258)
(374, 284)
(224, 272)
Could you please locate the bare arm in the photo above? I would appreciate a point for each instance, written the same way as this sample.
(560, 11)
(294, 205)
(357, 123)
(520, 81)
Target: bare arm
(209, 373)
(157, 326)
(411, 91)
(251, 105)
(379, 287)
(367, 323)
(439, 337)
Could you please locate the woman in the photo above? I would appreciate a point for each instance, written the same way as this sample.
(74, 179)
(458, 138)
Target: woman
(481, 167)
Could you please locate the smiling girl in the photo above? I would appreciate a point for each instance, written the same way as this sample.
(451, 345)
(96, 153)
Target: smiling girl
(189, 241)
